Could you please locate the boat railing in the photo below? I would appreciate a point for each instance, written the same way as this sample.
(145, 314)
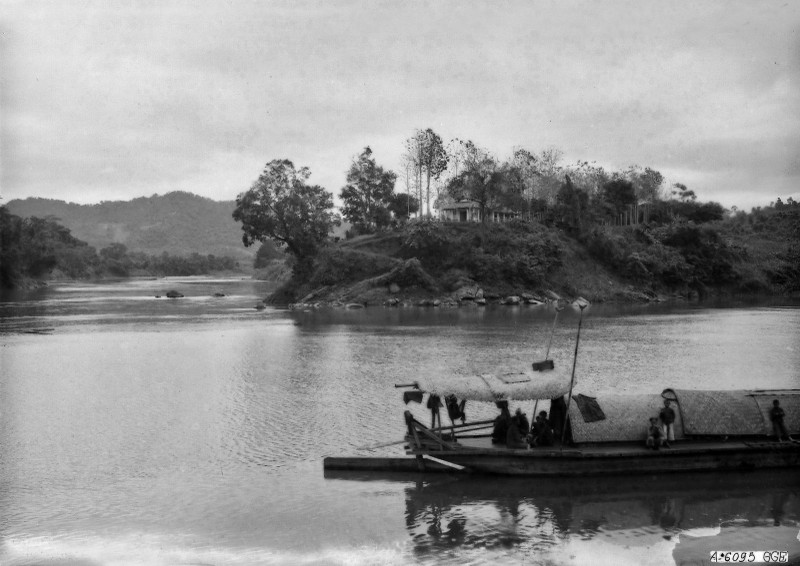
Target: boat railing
(422, 438)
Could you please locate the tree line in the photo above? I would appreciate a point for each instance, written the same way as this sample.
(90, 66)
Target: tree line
(283, 207)
(37, 248)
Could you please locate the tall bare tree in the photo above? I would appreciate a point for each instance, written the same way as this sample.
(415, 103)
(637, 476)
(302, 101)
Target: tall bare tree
(426, 152)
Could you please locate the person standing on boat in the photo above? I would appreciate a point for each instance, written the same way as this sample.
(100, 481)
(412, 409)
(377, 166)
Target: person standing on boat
(434, 402)
(558, 413)
(667, 416)
(655, 434)
(776, 415)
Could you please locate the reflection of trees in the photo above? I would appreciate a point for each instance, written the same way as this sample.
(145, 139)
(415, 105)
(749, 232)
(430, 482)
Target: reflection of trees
(508, 513)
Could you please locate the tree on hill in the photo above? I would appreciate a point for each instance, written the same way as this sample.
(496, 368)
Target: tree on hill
(368, 193)
(647, 182)
(484, 181)
(266, 253)
(282, 206)
(427, 156)
(618, 194)
(403, 205)
(683, 193)
(572, 207)
(34, 247)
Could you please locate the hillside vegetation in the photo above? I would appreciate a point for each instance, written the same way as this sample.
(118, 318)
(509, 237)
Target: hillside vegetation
(34, 250)
(177, 223)
(516, 228)
(433, 262)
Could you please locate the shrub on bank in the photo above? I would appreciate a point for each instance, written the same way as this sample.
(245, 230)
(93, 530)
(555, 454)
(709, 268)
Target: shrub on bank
(335, 265)
(517, 252)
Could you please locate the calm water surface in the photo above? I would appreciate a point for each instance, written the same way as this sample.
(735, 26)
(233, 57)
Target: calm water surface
(137, 430)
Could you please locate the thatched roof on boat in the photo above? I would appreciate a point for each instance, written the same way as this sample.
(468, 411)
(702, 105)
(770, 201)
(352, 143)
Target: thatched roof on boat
(697, 413)
(736, 413)
(721, 413)
(627, 418)
(522, 386)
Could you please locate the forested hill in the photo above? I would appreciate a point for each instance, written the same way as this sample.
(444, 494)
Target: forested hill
(178, 223)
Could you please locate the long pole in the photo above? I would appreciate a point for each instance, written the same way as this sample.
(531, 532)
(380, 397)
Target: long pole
(553, 330)
(572, 380)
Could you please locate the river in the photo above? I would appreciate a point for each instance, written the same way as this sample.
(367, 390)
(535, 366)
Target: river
(144, 430)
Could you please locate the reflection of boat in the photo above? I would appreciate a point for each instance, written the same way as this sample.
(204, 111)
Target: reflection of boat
(630, 511)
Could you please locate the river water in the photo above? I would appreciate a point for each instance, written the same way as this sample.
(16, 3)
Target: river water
(144, 430)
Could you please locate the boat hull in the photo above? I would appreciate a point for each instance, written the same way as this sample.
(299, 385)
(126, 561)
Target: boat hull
(577, 463)
(618, 460)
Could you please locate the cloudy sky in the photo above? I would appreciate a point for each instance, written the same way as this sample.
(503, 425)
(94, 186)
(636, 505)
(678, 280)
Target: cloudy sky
(112, 100)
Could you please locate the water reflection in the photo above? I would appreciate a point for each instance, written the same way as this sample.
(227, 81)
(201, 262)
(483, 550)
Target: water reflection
(463, 515)
(136, 425)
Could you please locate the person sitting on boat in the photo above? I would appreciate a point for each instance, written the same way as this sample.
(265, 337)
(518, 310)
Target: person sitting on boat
(655, 435)
(543, 435)
(520, 419)
(776, 415)
(501, 423)
(667, 417)
(514, 437)
(455, 410)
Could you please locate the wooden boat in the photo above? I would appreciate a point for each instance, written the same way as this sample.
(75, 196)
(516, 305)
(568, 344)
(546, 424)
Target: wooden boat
(596, 435)
(714, 430)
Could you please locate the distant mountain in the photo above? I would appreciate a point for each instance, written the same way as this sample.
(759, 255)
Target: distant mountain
(178, 223)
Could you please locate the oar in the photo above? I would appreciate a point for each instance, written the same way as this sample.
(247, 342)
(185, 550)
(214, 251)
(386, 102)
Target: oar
(383, 445)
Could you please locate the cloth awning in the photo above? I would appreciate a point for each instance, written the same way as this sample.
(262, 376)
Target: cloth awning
(522, 386)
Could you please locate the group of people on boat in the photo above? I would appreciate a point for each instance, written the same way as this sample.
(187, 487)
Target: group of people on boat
(661, 429)
(516, 431)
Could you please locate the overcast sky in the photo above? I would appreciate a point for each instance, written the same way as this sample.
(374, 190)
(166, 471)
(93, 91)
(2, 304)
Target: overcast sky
(114, 100)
